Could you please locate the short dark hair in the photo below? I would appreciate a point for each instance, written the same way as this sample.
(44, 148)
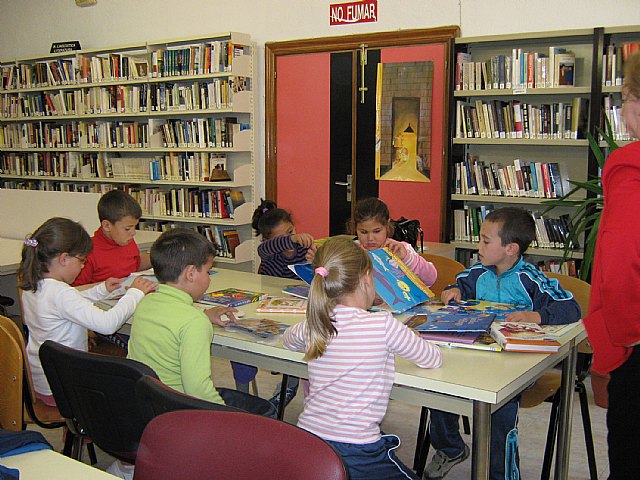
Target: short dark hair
(117, 204)
(518, 226)
(267, 217)
(175, 249)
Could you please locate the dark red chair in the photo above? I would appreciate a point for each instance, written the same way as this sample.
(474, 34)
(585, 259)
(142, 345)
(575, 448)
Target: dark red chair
(210, 444)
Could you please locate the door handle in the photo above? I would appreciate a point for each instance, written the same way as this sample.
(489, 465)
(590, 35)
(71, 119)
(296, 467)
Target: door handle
(346, 184)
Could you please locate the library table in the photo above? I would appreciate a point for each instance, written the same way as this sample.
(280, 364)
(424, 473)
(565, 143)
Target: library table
(52, 466)
(470, 382)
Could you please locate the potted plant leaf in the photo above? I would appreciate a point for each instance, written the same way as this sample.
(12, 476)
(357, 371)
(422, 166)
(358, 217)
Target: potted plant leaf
(586, 200)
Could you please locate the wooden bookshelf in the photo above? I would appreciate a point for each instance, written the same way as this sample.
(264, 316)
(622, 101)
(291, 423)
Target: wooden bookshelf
(150, 117)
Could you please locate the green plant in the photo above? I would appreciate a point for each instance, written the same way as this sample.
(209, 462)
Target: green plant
(585, 217)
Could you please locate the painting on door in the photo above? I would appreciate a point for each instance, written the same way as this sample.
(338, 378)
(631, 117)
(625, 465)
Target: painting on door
(403, 121)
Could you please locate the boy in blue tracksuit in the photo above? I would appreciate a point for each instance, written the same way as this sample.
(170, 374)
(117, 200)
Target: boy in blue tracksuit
(501, 276)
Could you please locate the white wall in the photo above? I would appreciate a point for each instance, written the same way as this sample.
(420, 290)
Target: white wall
(28, 27)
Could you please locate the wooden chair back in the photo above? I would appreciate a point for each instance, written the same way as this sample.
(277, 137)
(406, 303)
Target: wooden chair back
(447, 270)
(11, 378)
(36, 411)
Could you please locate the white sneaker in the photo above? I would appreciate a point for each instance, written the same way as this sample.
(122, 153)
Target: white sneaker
(121, 470)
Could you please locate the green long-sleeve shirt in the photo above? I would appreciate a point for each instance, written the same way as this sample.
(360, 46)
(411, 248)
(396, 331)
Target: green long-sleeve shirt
(174, 338)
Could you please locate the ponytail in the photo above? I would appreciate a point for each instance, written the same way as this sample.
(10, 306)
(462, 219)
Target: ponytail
(55, 236)
(339, 267)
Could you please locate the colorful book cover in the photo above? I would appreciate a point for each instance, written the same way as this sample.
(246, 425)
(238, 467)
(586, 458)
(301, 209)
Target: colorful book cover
(232, 297)
(455, 322)
(395, 283)
(282, 305)
(500, 310)
(523, 337)
(259, 328)
(301, 291)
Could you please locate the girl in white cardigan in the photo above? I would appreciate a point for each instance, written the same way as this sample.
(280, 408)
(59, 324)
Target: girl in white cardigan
(52, 258)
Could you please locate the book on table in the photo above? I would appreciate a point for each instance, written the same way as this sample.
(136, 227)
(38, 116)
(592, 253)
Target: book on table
(301, 291)
(523, 337)
(232, 297)
(282, 305)
(262, 329)
(500, 310)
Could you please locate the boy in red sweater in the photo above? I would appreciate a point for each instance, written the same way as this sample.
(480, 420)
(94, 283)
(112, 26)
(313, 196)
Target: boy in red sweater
(115, 252)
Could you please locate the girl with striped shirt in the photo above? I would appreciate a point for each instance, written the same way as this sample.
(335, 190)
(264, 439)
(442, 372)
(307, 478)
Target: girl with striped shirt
(351, 354)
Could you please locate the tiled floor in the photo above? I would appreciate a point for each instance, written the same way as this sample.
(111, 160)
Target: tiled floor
(402, 419)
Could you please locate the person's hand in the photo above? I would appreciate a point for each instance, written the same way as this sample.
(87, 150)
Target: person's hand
(216, 313)
(311, 253)
(303, 239)
(523, 316)
(396, 248)
(451, 294)
(144, 284)
(112, 284)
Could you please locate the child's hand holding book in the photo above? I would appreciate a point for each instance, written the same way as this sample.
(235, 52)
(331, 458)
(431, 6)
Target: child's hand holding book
(451, 294)
(303, 239)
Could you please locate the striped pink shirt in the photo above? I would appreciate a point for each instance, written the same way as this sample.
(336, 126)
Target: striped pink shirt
(351, 382)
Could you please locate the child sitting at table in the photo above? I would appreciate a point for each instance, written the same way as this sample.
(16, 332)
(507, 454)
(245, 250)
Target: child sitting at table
(502, 276)
(281, 246)
(171, 335)
(372, 225)
(350, 354)
(52, 258)
(115, 252)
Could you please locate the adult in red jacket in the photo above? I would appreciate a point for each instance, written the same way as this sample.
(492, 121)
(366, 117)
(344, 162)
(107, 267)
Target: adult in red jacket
(613, 322)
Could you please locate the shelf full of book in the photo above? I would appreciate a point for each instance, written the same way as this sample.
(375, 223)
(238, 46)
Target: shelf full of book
(170, 122)
(520, 117)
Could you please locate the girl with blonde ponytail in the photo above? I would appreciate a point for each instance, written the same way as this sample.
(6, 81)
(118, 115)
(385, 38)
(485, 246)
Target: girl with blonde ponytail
(350, 354)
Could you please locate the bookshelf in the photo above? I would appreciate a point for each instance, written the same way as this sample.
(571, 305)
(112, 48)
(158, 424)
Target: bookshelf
(171, 122)
(519, 130)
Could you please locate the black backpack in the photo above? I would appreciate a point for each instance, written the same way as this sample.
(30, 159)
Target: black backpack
(408, 231)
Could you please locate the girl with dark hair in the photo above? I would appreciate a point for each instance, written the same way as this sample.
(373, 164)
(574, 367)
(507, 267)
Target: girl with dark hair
(52, 258)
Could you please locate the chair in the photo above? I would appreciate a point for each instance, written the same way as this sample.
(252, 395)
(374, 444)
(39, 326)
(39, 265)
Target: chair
(155, 398)
(447, 269)
(97, 393)
(201, 445)
(547, 387)
(17, 386)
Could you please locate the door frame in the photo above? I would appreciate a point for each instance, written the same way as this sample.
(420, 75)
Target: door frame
(444, 35)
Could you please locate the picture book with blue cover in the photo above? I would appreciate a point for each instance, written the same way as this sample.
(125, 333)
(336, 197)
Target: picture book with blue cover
(232, 297)
(395, 283)
(456, 322)
(500, 310)
(301, 291)
(303, 270)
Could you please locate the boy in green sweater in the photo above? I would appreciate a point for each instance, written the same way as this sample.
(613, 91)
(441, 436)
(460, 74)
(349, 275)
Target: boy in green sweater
(172, 336)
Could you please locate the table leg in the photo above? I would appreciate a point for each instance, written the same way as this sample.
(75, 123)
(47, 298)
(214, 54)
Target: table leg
(481, 436)
(283, 396)
(566, 414)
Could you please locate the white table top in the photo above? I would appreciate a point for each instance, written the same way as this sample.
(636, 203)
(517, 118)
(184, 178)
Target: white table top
(10, 250)
(490, 377)
(52, 466)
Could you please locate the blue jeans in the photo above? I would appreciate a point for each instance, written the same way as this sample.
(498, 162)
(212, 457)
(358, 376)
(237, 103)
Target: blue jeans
(243, 373)
(374, 461)
(444, 430)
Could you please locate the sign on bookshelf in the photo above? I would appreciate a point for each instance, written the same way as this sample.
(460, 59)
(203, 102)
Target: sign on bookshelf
(58, 47)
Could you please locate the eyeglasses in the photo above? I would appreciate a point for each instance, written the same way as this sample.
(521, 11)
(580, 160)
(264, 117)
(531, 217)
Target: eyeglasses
(82, 260)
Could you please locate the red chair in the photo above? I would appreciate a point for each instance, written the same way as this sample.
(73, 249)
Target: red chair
(210, 444)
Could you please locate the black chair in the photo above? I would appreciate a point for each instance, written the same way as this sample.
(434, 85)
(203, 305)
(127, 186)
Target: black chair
(155, 398)
(97, 393)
